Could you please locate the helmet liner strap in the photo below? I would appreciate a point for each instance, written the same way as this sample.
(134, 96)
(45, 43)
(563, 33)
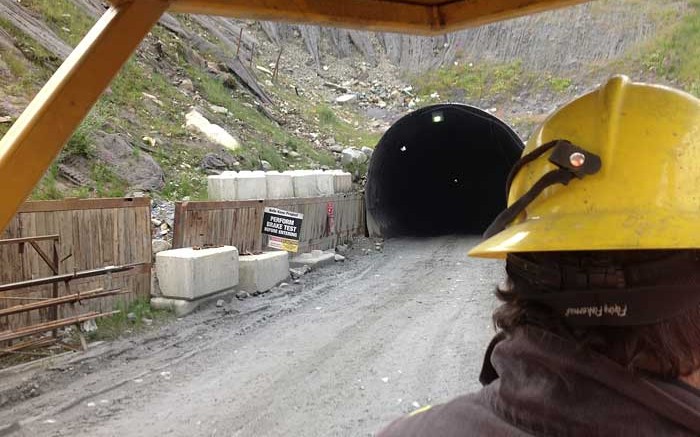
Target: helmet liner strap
(612, 295)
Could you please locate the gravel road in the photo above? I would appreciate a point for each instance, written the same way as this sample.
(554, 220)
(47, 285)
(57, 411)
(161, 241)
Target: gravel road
(353, 347)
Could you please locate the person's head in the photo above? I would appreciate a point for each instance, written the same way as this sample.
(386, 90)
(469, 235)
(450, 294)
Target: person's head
(668, 347)
(601, 237)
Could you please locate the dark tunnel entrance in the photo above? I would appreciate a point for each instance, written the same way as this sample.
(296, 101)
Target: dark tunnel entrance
(440, 170)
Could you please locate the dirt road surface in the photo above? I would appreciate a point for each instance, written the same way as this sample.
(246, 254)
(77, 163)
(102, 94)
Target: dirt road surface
(355, 346)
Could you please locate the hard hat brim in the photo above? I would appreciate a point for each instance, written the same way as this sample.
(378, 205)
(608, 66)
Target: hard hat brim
(631, 230)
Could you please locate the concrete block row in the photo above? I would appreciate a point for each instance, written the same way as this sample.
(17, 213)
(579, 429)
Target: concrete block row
(255, 185)
(191, 275)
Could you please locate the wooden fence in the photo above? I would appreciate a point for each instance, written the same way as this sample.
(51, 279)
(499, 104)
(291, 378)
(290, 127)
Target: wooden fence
(239, 223)
(94, 233)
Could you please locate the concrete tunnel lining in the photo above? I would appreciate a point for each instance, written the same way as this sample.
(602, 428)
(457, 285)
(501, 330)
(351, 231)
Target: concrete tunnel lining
(440, 170)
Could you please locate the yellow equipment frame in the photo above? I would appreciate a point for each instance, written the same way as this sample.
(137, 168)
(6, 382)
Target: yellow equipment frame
(38, 135)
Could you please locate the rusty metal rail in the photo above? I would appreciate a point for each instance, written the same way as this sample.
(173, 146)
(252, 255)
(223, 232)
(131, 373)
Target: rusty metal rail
(72, 298)
(64, 277)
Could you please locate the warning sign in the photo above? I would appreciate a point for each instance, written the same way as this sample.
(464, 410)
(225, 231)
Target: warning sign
(283, 227)
(330, 224)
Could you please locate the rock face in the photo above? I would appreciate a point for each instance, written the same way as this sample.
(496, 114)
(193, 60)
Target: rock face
(558, 41)
(139, 169)
(194, 121)
(352, 155)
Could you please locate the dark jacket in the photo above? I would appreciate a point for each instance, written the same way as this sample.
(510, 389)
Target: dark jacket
(544, 385)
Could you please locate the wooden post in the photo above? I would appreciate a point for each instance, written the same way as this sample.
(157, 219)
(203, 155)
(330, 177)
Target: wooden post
(240, 39)
(277, 65)
(54, 294)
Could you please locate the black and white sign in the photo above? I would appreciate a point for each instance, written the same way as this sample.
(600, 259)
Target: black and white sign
(283, 227)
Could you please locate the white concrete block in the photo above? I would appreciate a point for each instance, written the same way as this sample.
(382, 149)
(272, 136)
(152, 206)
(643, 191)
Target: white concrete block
(304, 182)
(190, 274)
(183, 307)
(279, 185)
(178, 306)
(264, 271)
(214, 187)
(222, 187)
(315, 259)
(342, 181)
(325, 183)
(251, 185)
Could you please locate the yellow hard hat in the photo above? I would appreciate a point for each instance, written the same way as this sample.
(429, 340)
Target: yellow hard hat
(640, 190)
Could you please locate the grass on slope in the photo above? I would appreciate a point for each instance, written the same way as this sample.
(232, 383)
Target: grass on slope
(676, 55)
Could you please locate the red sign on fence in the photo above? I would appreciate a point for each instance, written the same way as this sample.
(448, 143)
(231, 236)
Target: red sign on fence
(330, 227)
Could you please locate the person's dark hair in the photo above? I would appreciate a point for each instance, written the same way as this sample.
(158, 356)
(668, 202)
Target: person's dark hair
(668, 349)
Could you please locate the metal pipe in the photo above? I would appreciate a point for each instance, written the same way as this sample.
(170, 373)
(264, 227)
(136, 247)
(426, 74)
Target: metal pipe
(65, 277)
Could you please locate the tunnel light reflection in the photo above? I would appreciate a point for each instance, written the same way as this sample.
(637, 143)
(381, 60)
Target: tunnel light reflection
(438, 117)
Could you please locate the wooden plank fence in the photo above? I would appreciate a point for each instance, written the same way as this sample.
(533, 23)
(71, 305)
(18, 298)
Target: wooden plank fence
(239, 223)
(94, 233)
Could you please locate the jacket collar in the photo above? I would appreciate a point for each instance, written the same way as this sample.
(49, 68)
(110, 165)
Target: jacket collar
(548, 385)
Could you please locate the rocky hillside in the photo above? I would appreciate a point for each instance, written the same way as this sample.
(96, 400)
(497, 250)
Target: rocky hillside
(207, 94)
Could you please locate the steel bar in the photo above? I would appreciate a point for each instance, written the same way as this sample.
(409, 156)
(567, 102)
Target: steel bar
(29, 239)
(49, 326)
(54, 302)
(40, 342)
(22, 298)
(30, 354)
(64, 277)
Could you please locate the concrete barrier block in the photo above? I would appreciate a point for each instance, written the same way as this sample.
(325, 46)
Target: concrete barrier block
(305, 184)
(251, 185)
(183, 307)
(315, 259)
(214, 187)
(190, 274)
(263, 272)
(342, 181)
(325, 183)
(222, 187)
(279, 185)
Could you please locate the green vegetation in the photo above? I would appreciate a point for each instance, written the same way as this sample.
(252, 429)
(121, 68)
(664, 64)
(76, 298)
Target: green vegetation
(109, 328)
(65, 18)
(559, 85)
(326, 116)
(14, 63)
(475, 81)
(30, 69)
(80, 143)
(32, 50)
(107, 183)
(186, 184)
(48, 186)
(676, 55)
(345, 131)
